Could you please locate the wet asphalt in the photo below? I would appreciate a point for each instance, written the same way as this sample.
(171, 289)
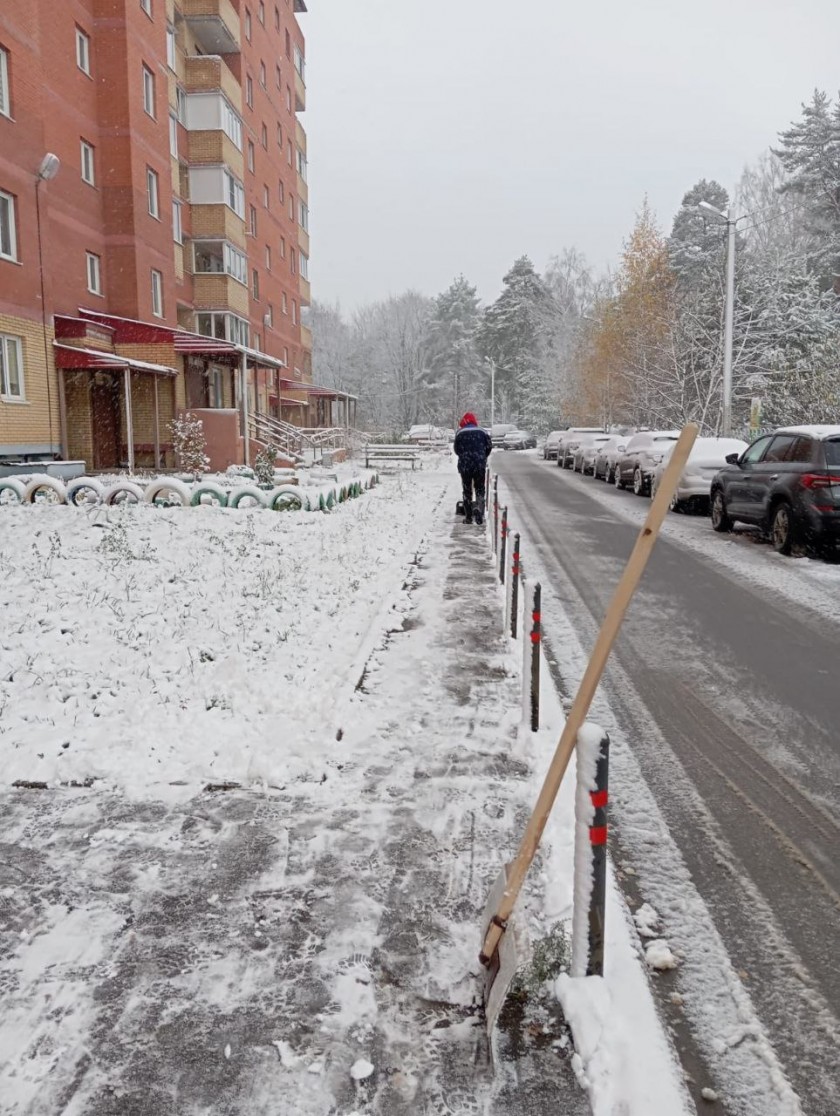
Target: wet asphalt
(733, 704)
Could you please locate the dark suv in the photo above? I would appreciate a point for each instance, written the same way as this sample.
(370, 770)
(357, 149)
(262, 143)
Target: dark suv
(788, 483)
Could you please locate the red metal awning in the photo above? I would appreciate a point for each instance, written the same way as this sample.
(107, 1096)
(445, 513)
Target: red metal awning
(198, 345)
(71, 357)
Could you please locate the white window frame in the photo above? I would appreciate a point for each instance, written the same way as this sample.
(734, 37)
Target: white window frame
(5, 93)
(294, 312)
(171, 47)
(249, 91)
(146, 5)
(153, 192)
(83, 51)
(88, 162)
(231, 123)
(302, 165)
(255, 285)
(303, 264)
(181, 104)
(266, 197)
(8, 341)
(177, 223)
(261, 11)
(9, 232)
(234, 194)
(149, 92)
(269, 316)
(247, 25)
(173, 135)
(263, 76)
(93, 267)
(236, 264)
(284, 302)
(252, 220)
(300, 63)
(157, 293)
(268, 257)
(303, 215)
(251, 160)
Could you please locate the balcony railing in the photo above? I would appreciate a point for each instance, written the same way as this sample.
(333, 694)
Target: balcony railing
(215, 24)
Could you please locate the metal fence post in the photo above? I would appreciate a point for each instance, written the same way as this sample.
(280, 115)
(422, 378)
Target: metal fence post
(598, 841)
(503, 545)
(536, 639)
(487, 491)
(514, 587)
(495, 515)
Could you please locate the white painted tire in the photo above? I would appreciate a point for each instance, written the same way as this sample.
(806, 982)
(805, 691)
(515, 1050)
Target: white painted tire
(180, 491)
(209, 488)
(93, 492)
(51, 488)
(282, 498)
(130, 492)
(11, 491)
(246, 491)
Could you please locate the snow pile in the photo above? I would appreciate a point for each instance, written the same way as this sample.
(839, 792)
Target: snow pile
(658, 956)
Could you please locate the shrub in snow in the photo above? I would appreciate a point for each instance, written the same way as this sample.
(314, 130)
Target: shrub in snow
(549, 958)
(264, 464)
(190, 445)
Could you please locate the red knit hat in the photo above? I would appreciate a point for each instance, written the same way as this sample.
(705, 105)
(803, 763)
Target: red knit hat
(469, 419)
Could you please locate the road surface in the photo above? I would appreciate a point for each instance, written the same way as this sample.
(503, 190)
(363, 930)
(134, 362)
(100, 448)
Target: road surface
(727, 694)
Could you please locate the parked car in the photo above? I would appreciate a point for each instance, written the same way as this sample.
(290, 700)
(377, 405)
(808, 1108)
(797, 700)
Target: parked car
(569, 443)
(551, 444)
(708, 456)
(498, 430)
(588, 446)
(607, 455)
(427, 433)
(788, 483)
(642, 454)
(519, 440)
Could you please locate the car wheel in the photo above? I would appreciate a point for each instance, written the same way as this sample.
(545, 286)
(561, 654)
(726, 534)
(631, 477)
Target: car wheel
(782, 528)
(676, 504)
(720, 517)
(638, 482)
(619, 483)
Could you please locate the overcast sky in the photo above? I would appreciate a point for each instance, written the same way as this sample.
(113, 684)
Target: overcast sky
(450, 137)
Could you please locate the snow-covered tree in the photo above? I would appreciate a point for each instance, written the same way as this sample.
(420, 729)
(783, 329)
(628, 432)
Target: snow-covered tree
(264, 464)
(189, 444)
(455, 375)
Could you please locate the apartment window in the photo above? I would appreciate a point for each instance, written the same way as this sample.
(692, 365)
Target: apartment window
(83, 51)
(293, 262)
(234, 194)
(88, 165)
(276, 18)
(286, 356)
(288, 45)
(304, 216)
(217, 257)
(289, 156)
(262, 74)
(261, 12)
(288, 98)
(173, 135)
(258, 347)
(170, 46)
(268, 257)
(255, 284)
(252, 220)
(304, 265)
(5, 98)
(231, 123)
(264, 136)
(282, 247)
(8, 231)
(284, 303)
(269, 317)
(280, 135)
(181, 105)
(11, 367)
(250, 157)
(247, 25)
(266, 198)
(281, 191)
(157, 293)
(94, 273)
(302, 167)
(279, 76)
(249, 91)
(294, 312)
(146, 5)
(224, 326)
(300, 63)
(153, 193)
(177, 227)
(148, 91)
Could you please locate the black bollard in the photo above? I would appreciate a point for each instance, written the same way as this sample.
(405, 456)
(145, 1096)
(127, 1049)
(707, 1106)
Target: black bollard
(598, 841)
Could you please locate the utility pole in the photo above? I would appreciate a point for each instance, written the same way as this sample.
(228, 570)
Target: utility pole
(729, 319)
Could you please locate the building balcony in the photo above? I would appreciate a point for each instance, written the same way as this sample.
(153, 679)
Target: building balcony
(306, 338)
(208, 74)
(214, 23)
(300, 93)
(215, 291)
(303, 190)
(305, 292)
(303, 240)
(300, 136)
(212, 149)
(215, 221)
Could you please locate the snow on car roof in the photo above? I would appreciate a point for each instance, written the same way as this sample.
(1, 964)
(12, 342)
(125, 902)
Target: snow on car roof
(815, 431)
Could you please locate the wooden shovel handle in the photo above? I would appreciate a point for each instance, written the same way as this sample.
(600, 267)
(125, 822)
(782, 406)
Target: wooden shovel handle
(589, 683)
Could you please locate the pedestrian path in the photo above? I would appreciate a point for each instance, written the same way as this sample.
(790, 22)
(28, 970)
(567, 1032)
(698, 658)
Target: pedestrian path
(298, 950)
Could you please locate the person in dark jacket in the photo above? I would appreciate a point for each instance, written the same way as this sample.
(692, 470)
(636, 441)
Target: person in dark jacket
(473, 447)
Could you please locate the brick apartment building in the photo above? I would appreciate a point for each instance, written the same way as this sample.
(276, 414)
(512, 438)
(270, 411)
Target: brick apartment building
(165, 265)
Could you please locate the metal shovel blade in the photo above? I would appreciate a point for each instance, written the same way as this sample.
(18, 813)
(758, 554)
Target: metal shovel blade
(505, 960)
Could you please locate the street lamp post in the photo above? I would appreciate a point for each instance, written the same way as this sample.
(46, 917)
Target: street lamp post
(47, 170)
(728, 329)
(492, 364)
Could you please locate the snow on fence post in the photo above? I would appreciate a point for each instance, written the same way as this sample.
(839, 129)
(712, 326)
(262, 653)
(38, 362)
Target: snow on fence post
(514, 587)
(503, 544)
(532, 646)
(592, 796)
(487, 492)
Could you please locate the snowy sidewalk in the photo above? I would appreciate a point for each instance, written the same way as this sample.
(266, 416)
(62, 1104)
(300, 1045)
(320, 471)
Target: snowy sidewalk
(303, 947)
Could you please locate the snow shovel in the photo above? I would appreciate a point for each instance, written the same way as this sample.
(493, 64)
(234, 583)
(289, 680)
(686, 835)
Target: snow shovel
(498, 953)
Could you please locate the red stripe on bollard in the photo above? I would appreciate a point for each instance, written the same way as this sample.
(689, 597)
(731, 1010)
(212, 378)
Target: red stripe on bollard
(535, 637)
(598, 835)
(599, 798)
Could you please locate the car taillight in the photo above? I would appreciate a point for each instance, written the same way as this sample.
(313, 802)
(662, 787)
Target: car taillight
(819, 480)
